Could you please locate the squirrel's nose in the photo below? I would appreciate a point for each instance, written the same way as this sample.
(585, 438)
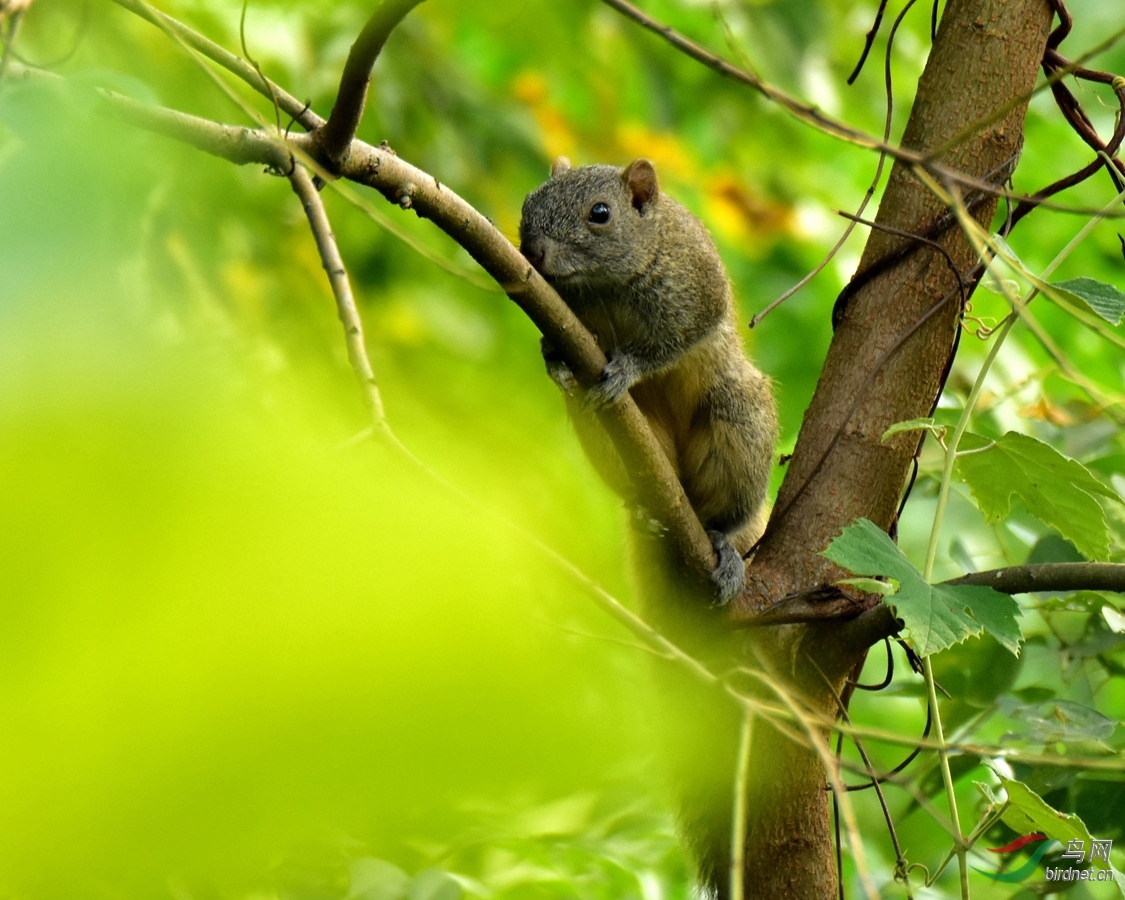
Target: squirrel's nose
(534, 249)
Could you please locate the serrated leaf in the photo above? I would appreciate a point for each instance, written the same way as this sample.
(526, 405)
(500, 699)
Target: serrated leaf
(926, 424)
(1056, 490)
(937, 615)
(871, 586)
(1103, 299)
(1028, 813)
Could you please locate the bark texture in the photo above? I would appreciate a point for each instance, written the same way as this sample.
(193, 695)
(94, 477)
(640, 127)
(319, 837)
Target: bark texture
(882, 367)
(986, 56)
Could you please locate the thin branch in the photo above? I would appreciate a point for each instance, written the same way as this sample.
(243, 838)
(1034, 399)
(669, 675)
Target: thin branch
(341, 289)
(869, 41)
(738, 820)
(235, 143)
(1075, 576)
(655, 482)
(336, 135)
(867, 622)
(901, 865)
(292, 106)
(803, 111)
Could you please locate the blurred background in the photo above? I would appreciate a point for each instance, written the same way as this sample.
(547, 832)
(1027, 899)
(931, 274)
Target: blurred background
(245, 655)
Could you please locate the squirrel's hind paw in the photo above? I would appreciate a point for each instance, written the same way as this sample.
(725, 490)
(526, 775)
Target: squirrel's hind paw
(729, 575)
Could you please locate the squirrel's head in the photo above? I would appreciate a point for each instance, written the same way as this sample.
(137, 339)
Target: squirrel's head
(594, 225)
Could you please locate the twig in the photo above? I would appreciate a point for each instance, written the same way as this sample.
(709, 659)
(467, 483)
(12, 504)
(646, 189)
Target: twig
(816, 117)
(1077, 576)
(294, 107)
(334, 138)
(237, 144)
(869, 41)
(738, 821)
(341, 290)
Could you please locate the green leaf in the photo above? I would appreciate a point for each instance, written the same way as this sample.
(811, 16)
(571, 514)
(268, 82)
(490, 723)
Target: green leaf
(1056, 490)
(937, 615)
(1028, 813)
(1064, 720)
(926, 424)
(1103, 299)
(871, 586)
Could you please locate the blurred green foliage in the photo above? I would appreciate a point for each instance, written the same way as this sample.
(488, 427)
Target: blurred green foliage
(242, 655)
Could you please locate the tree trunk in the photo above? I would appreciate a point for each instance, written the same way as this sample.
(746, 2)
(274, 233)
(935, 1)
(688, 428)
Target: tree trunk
(883, 367)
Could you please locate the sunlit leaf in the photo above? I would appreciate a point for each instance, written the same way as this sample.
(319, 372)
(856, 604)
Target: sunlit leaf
(926, 424)
(1114, 619)
(1060, 492)
(1104, 299)
(936, 615)
(1028, 813)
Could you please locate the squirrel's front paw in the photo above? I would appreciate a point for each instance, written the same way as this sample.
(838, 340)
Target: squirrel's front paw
(619, 374)
(729, 576)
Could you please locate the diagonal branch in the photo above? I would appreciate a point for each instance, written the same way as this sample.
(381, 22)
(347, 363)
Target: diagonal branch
(336, 135)
(235, 143)
(341, 289)
(655, 481)
(234, 64)
(818, 119)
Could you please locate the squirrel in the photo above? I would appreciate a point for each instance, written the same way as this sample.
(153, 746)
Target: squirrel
(642, 273)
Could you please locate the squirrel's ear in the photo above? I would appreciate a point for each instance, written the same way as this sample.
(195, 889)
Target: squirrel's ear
(559, 165)
(640, 177)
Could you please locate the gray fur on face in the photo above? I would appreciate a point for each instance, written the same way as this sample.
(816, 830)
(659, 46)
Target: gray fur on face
(568, 248)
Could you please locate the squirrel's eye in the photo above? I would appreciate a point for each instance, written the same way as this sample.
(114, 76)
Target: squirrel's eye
(599, 215)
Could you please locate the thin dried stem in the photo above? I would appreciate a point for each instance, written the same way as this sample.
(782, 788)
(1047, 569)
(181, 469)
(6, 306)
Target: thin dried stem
(346, 309)
(290, 104)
